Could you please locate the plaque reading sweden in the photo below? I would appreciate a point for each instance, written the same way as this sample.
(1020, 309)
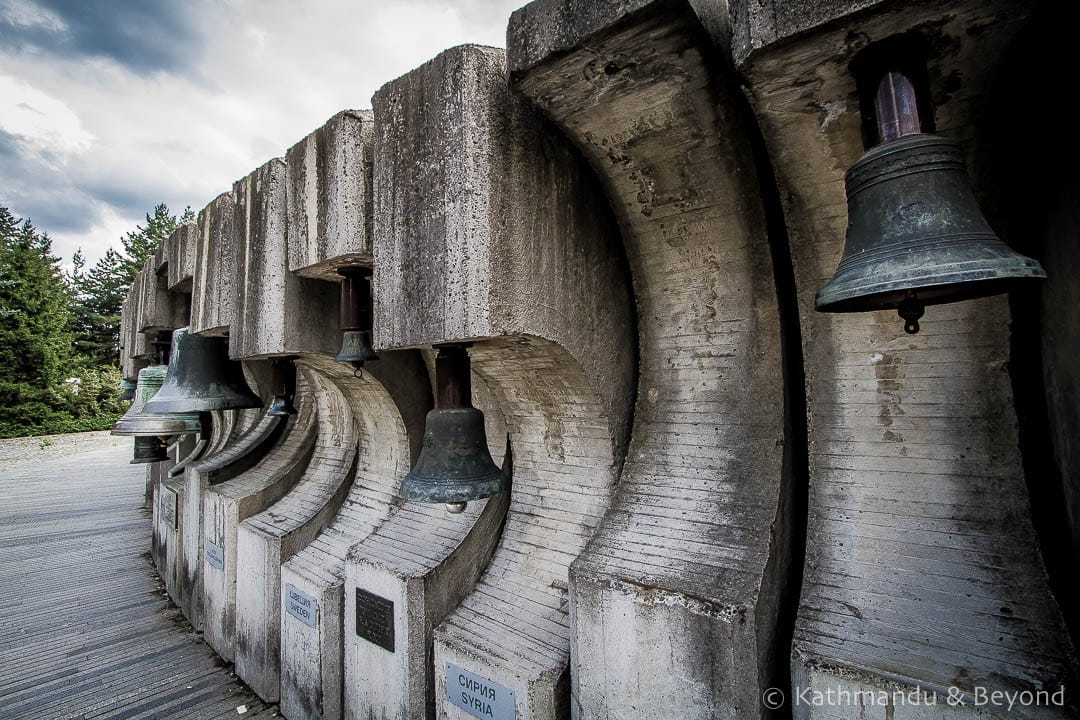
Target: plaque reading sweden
(215, 555)
(375, 619)
(300, 605)
(478, 696)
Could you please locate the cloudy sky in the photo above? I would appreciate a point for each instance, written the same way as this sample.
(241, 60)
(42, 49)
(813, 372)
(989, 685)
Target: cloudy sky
(108, 107)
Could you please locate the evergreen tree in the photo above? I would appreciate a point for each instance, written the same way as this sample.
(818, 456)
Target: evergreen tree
(140, 243)
(99, 294)
(35, 323)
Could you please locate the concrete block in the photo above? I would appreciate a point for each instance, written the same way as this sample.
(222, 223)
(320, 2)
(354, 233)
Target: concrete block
(231, 460)
(923, 571)
(227, 504)
(159, 310)
(385, 413)
(181, 248)
(694, 554)
(329, 197)
(268, 539)
(217, 251)
(170, 525)
(276, 312)
(511, 242)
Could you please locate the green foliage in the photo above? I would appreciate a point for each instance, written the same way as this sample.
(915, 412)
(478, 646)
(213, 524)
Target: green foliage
(59, 336)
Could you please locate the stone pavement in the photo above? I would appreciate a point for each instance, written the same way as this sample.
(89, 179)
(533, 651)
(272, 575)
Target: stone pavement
(86, 630)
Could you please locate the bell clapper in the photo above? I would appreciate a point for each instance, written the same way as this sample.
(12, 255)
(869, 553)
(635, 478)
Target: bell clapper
(911, 309)
(456, 508)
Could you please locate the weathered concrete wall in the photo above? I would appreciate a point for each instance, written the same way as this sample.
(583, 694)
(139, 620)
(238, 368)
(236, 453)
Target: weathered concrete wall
(275, 312)
(693, 555)
(329, 197)
(159, 309)
(919, 521)
(213, 286)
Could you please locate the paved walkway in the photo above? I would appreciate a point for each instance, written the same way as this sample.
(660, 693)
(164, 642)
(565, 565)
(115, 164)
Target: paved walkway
(86, 630)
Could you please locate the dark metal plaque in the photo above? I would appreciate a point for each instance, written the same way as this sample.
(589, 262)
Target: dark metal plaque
(375, 619)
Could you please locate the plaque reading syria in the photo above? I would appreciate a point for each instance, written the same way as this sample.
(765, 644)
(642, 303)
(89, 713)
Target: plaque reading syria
(300, 605)
(215, 555)
(478, 696)
(168, 507)
(375, 619)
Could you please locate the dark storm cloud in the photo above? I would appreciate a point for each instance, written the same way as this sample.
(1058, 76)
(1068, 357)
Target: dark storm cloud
(33, 187)
(144, 36)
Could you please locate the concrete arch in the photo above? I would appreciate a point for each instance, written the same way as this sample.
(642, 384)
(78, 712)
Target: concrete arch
(693, 555)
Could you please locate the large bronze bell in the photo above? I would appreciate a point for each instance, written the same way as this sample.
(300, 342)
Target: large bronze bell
(454, 464)
(915, 234)
(202, 377)
(282, 387)
(141, 422)
(356, 346)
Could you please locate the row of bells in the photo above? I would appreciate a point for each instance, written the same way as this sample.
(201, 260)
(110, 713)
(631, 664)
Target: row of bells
(454, 465)
(915, 237)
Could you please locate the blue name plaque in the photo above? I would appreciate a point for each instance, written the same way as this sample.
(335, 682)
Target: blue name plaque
(300, 605)
(478, 696)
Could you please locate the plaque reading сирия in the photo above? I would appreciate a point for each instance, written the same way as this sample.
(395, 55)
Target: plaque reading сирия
(478, 696)
(215, 555)
(375, 619)
(300, 605)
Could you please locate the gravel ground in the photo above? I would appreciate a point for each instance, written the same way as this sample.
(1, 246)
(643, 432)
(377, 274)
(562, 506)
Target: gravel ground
(26, 450)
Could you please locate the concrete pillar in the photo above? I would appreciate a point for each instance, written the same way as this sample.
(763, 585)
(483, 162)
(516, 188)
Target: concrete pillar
(329, 197)
(213, 285)
(227, 504)
(159, 309)
(489, 228)
(675, 600)
(275, 312)
(181, 252)
(922, 568)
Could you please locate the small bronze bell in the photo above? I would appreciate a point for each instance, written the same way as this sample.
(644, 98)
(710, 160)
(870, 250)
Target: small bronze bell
(202, 377)
(127, 389)
(455, 465)
(915, 234)
(282, 386)
(140, 422)
(149, 449)
(356, 317)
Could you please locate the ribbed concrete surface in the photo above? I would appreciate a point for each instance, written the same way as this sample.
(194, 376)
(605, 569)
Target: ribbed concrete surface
(86, 630)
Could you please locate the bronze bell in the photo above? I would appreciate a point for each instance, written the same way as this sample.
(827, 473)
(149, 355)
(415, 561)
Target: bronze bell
(127, 389)
(915, 234)
(149, 449)
(202, 377)
(282, 387)
(141, 422)
(454, 464)
(356, 316)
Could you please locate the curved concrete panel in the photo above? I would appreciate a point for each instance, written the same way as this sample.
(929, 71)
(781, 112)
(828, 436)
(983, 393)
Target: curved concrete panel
(229, 503)
(693, 555)
(311, 645)
(268, 539)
